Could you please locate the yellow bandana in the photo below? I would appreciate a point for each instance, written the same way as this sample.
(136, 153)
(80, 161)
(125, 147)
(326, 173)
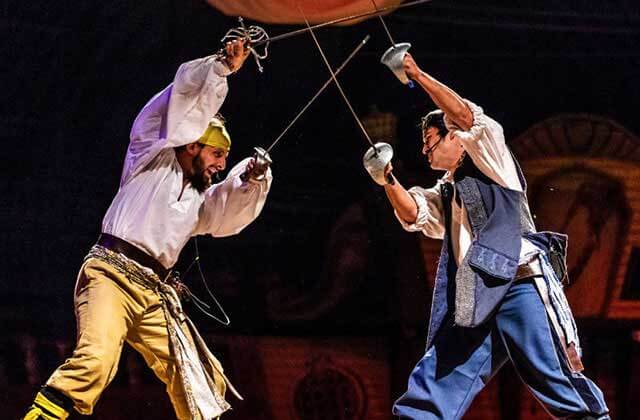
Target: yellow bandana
(216, 135)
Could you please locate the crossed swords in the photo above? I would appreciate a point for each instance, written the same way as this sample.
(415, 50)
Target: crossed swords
(378, 154)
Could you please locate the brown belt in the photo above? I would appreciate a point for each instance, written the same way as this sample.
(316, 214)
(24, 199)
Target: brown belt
(132, 252)
(530, 269)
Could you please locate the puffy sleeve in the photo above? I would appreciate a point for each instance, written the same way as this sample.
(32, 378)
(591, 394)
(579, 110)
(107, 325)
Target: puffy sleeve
(430, 219)
(178, 114)
(483, 126)
(485, 144)
(199, 89)
(232, 204)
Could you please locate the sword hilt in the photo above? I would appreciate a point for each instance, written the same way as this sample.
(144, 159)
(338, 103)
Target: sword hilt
(253, 36)
(390, 178)
(261, 163)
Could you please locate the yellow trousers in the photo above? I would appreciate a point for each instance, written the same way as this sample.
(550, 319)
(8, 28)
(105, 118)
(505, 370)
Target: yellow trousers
(110, 309)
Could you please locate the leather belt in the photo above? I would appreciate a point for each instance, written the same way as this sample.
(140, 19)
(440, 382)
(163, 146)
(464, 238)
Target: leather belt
(530, 269)
(132, 252)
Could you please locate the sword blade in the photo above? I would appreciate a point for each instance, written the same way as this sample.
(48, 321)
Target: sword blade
(335, 80)
(312, 100)
(384, 25)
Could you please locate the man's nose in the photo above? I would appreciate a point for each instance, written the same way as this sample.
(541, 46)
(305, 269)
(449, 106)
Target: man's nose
(425, 147)
(221, 164)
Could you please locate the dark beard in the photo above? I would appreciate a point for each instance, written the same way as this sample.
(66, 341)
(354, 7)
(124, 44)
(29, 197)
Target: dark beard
(198, 179)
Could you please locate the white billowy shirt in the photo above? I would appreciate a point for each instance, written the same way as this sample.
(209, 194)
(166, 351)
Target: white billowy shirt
(151, 210)
(485, 144)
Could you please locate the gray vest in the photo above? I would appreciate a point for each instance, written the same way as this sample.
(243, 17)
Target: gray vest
(499, 218)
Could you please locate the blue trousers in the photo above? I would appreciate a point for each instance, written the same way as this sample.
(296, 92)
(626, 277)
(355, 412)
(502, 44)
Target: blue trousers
(462, 360)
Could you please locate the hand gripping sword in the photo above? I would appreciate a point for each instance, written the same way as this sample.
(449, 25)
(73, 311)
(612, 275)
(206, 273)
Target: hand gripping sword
(380, 154)
(393, 57)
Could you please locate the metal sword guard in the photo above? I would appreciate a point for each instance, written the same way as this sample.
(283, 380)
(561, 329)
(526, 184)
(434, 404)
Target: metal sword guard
(393, 57)
(253, 35)
(375, 161)
(262, 161)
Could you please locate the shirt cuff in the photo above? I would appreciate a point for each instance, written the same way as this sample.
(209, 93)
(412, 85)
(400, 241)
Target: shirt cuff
(421, 218)
(266, 180)
(219, 67)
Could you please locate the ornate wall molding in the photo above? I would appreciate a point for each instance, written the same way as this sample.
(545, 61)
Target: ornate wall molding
(584, 179)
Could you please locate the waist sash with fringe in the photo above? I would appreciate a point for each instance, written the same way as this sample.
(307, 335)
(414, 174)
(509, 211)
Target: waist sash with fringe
(195, 363)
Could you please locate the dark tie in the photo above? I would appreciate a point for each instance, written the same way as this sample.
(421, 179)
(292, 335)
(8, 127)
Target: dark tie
(446, 191)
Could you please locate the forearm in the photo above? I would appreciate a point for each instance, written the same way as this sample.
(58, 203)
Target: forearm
(208, 70)
(197, 95)
(402, 202)
(447, 100)
(191, 76)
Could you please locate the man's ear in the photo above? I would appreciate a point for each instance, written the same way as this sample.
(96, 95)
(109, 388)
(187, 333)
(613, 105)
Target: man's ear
(192, 149)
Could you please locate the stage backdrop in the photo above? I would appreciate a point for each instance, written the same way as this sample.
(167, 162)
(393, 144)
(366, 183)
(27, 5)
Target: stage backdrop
(583, 172)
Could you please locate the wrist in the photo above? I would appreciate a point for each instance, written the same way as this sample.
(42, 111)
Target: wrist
(220, 66)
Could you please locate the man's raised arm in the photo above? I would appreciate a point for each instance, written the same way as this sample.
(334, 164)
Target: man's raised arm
(444, 97)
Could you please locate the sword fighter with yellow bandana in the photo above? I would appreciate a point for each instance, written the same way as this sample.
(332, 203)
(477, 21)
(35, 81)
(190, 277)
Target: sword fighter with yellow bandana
(124, 290)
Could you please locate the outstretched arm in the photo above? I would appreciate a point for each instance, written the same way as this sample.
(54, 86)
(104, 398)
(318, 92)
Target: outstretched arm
(404, 205)
(233, 204)
(199, 89)
(179, 114)
(445, 98)
(417, 209)
(193, 75)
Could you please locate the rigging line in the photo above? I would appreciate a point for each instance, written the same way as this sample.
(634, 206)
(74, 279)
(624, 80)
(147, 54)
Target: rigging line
(384, 25)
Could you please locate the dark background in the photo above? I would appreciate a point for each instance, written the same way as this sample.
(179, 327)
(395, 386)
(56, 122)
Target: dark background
(75, 74)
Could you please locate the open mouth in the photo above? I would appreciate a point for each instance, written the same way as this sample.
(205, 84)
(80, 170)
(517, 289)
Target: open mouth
(211, 172)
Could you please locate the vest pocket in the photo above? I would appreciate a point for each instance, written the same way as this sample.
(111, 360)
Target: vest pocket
(492, 262)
